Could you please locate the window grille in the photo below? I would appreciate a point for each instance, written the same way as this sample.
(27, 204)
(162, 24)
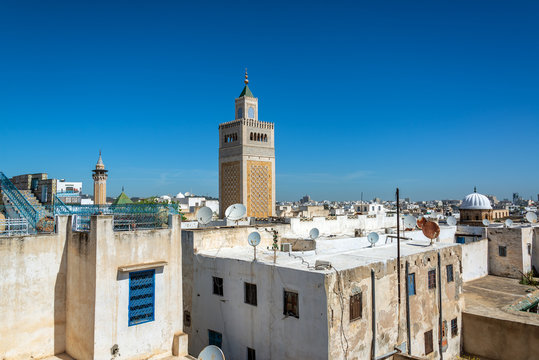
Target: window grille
(428, 342)
(250, 294)
(291, 306)
(502, 250)
(215, 338)
(454, 328)
(411, 284)
(432, 279)
(251, 354)
(356, 306)
(449, 269)
(141, 296)
(218, 286)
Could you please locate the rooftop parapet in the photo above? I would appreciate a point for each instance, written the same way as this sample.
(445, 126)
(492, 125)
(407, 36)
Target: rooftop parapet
(248, 122)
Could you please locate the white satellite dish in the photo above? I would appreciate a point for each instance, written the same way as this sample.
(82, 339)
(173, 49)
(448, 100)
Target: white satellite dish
(211, 352)
(314, 233)
(204, 215)
(373, 238)
(410, 222)
(486, 222)
(451, 221)
(508, 222)
(254, 238)
(531, 217)
(235, 212)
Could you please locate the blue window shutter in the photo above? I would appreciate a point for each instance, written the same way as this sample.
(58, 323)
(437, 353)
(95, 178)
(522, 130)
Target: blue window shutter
(141, 296)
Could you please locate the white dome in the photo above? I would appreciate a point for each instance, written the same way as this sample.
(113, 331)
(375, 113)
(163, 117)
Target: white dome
(475, 201)
(179, 196)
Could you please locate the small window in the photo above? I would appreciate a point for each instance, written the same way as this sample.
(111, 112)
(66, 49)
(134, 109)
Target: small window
(218, 286)
(461, 240)
(432, 279)
(454, 328)
(356, 306)
(251, 354)
(502, 250)
(449, 269)
(250, 294)
(291, 306)
(428, 342)
(186, 318)
(215, 338)
(529, 249)
(411, 284)
(141, 296)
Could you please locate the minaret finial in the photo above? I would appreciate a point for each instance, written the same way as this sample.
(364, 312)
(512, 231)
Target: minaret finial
(122, 188)
(246, 81)
(475, 189)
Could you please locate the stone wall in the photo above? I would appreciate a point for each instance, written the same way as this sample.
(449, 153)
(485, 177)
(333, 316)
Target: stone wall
(517, 260)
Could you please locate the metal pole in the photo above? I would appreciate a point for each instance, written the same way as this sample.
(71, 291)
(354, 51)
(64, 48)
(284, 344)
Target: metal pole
(373, 346)
(398, 251)
(407, 284)
(440, 324)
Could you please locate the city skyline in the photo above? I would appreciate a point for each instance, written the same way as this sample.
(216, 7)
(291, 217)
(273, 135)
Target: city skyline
(364, 99)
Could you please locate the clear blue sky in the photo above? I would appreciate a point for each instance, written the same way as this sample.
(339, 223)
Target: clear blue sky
(433, 96)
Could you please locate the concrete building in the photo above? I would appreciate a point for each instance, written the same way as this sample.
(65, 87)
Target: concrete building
(100, 182)
(69, 192)
(101, 294)
(247, 159)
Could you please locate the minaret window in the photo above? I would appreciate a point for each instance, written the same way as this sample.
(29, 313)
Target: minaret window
(251, 113)
(240, 113)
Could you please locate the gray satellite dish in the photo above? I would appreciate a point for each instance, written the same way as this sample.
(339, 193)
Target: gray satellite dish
(204, 215)
(410, 222)
(235, 212)
(211, 352)
(486, 222)
(531, 217)
(314, 233)
(451, 221)
(254, 238)
(373, 238)
(508, 222)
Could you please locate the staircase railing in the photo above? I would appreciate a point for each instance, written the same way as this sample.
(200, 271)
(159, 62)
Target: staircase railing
(17, 199)
(60, 208)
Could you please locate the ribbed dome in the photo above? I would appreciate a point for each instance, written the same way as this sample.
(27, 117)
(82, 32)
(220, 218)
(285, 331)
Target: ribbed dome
(476, 201)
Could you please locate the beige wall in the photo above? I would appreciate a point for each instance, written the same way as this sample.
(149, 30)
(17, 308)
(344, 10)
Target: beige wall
(32, 288)
(517, 260)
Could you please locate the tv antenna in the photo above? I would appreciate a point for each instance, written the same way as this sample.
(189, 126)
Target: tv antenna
(254, 239)
(204, 215)
(531, 217)
(373, 238)
(235, 212)
(486, 222)
(508, 223)
(211, 352)
(314, 233)
(451, 221)
(431, 230)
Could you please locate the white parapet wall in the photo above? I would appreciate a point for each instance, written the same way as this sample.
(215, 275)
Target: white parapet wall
(474, 260)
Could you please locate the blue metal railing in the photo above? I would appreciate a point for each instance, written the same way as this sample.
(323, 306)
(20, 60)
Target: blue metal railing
(17, 199)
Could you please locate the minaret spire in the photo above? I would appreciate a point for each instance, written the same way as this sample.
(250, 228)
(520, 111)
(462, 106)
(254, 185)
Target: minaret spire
(475, 189)
(246, 81)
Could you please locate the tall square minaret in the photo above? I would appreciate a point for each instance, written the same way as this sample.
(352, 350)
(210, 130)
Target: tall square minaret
(247, 159)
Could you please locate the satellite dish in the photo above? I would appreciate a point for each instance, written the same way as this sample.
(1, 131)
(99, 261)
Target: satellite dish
(486, 222)
(508, 222)
(254, 238)
(211, 352)
(410, 222)
(421, 221)
(531, 217)
(373, 238)
(204, 215)
(431, 230)
(314, 233)
(235, 212)
(451, 221)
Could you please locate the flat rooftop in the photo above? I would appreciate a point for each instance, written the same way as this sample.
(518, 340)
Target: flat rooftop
(342, 253)
(490, 296)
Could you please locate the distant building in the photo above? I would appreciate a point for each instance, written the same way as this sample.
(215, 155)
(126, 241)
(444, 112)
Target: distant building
(476, 207)
(100, 182)
(305, 199)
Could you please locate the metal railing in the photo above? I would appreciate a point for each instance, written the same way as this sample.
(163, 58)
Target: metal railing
(19, 200)
(10, 227)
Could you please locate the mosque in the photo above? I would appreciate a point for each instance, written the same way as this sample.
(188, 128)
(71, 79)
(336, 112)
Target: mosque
(476, 207)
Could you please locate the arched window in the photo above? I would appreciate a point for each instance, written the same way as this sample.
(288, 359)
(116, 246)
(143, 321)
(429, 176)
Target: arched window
(258, 137)
(265, 138)
(240, 113)
(251, 137)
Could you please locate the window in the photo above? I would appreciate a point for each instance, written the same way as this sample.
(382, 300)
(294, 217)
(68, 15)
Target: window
(215, 338)
(240, 113)
(502, 250)
(432, 279)
(529, 249)
(141, 296)
(251, 354)
(291, 306)
(461, 240)
(428, 342)
(449, 269)
(411, 284)
(187, 318)
(454, 328)
(218, 286)
(250, 294)
(251, 112)
(356, 306)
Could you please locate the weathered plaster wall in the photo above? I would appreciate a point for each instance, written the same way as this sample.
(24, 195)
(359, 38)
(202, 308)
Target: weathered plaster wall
(474, 260)
(262, 327)
(32, 288)
(352, 340)
(341, 224)
(499, 339)
(517, 260)
(535, 249)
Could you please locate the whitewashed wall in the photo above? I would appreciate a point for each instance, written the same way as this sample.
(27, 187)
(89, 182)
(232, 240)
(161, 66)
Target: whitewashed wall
(474, 260)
